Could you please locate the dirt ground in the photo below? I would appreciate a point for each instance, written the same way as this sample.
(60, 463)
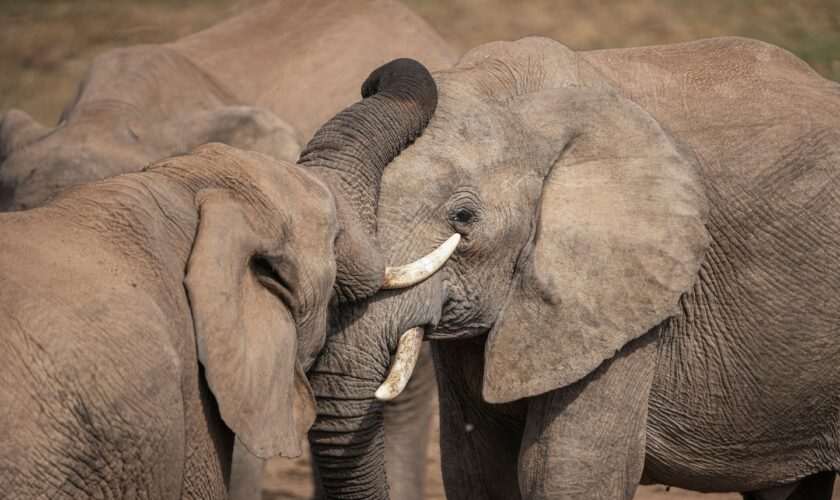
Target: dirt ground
(45, 46)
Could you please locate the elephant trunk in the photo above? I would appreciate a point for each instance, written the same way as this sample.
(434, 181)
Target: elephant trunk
(348, 439)
(351, 150)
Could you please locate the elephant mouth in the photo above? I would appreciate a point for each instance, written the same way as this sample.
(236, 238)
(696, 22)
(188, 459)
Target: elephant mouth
(408, 347)
(467, 332)
(408, 350)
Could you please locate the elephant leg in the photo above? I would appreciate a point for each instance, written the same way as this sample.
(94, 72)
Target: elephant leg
(408, 420)
(245, 474)
(479, 442)
(817, 486)
(587, 441)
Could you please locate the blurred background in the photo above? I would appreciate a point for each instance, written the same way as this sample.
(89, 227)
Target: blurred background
(45, 46)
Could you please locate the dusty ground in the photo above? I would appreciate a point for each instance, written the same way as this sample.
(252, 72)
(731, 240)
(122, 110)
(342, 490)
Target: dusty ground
(45, 46)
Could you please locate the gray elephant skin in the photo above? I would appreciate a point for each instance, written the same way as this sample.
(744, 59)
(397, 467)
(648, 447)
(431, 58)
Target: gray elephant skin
(645, 288)
(263, 79)
(113, 292)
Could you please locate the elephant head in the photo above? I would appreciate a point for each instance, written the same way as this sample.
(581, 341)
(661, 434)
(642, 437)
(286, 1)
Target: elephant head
(101, 140)
(348, 162)
(133, 107)
(259, 279)
(574, 222)
(263, 247)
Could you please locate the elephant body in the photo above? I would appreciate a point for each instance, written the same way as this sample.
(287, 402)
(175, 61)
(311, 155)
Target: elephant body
(103, 391)
(645, 287)
(758, 332)
(737, 391)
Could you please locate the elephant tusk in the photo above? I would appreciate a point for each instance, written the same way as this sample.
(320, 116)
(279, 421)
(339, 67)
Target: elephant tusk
(419, 270)
(408, 349)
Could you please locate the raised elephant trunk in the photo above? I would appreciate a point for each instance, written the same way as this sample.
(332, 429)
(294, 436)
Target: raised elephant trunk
(350, 152)
(352, 149)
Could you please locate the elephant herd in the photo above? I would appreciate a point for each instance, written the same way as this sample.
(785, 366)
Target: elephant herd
(624, 263)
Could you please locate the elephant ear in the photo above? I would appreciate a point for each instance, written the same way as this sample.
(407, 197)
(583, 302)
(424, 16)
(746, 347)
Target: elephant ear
(243, 127)
(18, 129)
(619, 237)
(246, 336)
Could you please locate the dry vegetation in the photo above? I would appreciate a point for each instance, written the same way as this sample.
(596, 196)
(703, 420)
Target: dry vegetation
(45, 46)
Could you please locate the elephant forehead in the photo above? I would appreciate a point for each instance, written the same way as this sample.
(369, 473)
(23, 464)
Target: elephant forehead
(466, 132)
(465, 145)
(309, 201)
(297, 194)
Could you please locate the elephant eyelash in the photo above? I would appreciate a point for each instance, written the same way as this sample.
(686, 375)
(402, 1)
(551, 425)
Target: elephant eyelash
(274, 281)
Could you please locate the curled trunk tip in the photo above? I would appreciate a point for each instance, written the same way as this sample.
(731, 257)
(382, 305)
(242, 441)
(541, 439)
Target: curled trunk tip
(352, 149)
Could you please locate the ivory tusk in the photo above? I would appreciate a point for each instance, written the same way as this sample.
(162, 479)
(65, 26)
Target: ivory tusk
(408, 349)
(419, 270)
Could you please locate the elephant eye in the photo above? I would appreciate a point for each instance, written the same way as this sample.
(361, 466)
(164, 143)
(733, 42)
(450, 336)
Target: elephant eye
(462, 216)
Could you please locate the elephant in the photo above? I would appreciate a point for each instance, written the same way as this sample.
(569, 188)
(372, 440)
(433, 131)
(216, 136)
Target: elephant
(151, 317)
(628, 273)
(263, 79)
(245, 81)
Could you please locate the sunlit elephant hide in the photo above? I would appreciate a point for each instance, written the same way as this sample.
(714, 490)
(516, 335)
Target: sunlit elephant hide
(645, 284)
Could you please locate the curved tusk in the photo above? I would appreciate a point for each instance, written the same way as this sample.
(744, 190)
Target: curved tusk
(408, 350)
(419, 270)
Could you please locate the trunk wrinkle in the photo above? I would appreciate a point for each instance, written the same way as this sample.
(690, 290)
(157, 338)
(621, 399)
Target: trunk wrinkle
(352, 150)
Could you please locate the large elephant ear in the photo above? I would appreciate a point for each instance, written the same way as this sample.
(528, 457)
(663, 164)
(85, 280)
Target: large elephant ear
(619, 237)
(18, 129)
(243, 127)
(246, 337)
